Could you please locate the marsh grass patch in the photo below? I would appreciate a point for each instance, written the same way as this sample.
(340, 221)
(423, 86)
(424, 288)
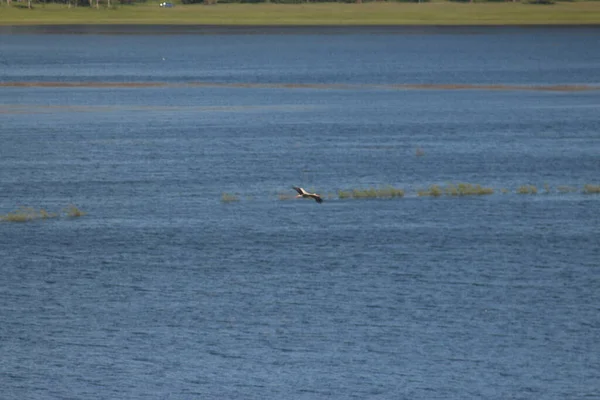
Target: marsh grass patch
(433, 191)
(22, 214)
(386, 192)
(390, 192)
(344, 194)
(229, 198)
(73, 212)
(27, 214)
(455, 190)
(467, 189)
(527, 189)
(369, 193)
(591, 189)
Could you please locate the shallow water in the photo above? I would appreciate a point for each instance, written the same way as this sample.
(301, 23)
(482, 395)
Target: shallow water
(162, 290)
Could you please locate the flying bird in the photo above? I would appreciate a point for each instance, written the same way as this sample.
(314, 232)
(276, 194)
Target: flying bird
(305, 195)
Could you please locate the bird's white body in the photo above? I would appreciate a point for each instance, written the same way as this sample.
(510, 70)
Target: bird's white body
(306, 195)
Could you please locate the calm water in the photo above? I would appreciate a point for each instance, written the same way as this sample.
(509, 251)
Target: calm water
(163, 291)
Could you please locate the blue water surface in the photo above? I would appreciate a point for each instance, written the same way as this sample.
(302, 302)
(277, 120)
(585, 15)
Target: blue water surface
(162, 290)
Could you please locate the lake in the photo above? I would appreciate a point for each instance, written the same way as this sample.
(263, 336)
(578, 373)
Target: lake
(195, 273)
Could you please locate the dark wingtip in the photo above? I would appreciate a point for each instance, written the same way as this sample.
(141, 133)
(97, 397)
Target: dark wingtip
(319, 200)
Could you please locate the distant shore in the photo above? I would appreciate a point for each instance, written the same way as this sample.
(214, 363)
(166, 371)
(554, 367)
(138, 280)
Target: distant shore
(132, 29)
(283, 18)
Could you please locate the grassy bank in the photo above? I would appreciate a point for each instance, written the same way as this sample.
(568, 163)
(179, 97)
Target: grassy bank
(377, 13)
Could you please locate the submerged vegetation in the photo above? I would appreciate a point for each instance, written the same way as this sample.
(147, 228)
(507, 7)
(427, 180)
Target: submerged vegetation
(467, 189)
(26, 214)
(387, 192)
(459, 189)
(73, 212)
(433, 190)
(591, 189)
(527, 189)
(448, 190)
(229, 198)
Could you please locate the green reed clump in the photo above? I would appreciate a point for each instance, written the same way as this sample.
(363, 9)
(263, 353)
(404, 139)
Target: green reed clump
(467, 189)
(370, 193)
(591, 189)
(527, 189)
(228, 198)
(26, 214)
(344, 194)
(390, 192)
(23, 214)
(73, 212)
(451, 190)
(433, 190)
(481, 191)
(387, 192)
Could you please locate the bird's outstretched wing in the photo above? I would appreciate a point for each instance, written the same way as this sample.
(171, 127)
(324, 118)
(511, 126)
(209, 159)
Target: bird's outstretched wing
(318, 199)
(299, 190)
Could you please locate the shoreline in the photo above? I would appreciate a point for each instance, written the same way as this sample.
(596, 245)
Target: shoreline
(210, 29)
